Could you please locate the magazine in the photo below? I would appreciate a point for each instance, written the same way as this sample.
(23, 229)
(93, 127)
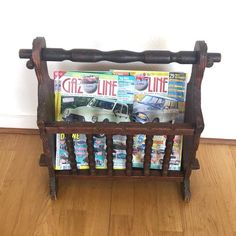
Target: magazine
(158, 97)
(119, 96)
(90, 96)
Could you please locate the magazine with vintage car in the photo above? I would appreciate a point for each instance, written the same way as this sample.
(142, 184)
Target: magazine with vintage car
(139, 96)
(93, 97)
(159, 96)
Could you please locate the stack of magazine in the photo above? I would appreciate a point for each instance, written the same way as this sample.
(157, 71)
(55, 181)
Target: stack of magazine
(119, 96)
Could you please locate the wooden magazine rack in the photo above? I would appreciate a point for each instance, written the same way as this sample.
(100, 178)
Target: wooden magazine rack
(191, 128)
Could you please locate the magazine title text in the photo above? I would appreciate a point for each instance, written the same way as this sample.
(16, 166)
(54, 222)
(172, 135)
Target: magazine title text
(158, 84)
(101, 87)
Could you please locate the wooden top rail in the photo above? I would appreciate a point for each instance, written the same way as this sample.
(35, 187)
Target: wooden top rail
(121, 56)
(121, 128)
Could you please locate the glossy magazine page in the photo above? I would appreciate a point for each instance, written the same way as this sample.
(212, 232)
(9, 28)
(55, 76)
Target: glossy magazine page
(119, 96)
(159, 96)
(93, 97)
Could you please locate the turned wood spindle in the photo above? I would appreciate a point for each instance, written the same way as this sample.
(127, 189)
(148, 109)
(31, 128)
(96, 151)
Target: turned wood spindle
(91, 158)
(109, 154)
(71, 152)
(129, 154)
(168, 151)
(147, 156)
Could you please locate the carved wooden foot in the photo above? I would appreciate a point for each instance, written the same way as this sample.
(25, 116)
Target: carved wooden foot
(195, 164)
(186, 190)
(42, 160)
(53, 187)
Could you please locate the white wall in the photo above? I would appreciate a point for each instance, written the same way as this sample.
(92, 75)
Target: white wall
(110, 25)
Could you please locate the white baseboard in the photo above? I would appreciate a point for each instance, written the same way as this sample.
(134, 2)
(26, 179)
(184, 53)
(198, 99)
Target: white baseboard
(18, 121)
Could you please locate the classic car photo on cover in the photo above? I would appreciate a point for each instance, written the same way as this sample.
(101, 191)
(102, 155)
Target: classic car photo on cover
(99, 110)
(155, 108)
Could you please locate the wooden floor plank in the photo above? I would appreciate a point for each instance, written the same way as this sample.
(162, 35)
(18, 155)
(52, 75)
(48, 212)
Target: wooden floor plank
(168, 204)
(122, 208)
(20, 190)
(104, 207)
(5, 166)
(145, 208)
(207, 213)
(226, 159)
(8, 142)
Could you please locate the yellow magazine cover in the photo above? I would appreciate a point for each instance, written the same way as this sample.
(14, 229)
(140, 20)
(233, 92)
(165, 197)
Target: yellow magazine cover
(92, 97)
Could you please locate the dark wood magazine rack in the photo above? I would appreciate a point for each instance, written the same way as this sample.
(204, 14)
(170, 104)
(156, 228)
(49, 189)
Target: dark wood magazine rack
(191, 129)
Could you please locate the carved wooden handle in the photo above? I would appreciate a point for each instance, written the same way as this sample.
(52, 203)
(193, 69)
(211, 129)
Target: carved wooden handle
(120, 56)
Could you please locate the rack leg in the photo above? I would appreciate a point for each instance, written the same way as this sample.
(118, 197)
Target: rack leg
(185, 185)
(53, 187)
(195, 164)
(43, 160)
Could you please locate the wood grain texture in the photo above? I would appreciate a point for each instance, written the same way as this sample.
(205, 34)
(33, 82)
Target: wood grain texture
(120, 207)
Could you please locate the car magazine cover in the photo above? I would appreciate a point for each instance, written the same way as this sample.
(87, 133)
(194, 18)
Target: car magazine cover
(158, 97)
(119, 96)
(93, 97)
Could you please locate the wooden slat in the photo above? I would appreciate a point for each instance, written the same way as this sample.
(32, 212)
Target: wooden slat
(129, 154)
(109, 154)
(168, 150)
(91, 158)
(147, 156)
(121, 174)
(71, 152)
(121, 128)
(217, 141)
